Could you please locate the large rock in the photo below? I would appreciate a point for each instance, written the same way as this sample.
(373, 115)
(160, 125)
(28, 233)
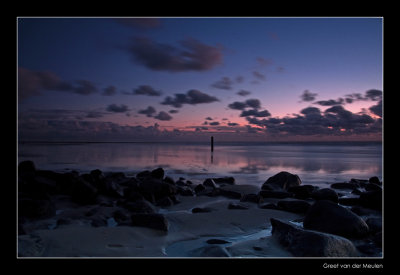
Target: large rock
(345, 185)
(329, 217)
(157, 173)
(84, 193)
(281, 181)
(154, 221)
(302, 192)
(306, 243)
(294, 206)
(275, 194)
(325, 194)
(237, 191)
(371, 199)
(35, 209)
(224, 180)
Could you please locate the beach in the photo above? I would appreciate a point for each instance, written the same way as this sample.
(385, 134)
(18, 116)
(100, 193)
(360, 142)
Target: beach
(151, 215)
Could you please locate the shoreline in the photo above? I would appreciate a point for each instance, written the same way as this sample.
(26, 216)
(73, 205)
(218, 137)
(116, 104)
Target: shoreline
(153, 216)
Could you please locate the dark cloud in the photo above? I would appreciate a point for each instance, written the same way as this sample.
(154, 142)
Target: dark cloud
(192, 97)
(146, 90)
(163, 116)
(85, 87)
(374, 95)
(263, 62)
(232, 124)
(377, 109)
(256, 113)
(214, 123)
(249, 103)
(259, 76)
(139, 23)
(109, 91)
(114, 108)
(243, 93)
(191, 56)
(330, 102)
(239, 79)
(224, 83)
(311, 111)
(173, 111)
(94, 114)
(308, 96)
(149, 111)
(208, 118)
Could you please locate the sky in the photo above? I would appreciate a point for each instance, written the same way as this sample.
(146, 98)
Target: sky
(186, 79)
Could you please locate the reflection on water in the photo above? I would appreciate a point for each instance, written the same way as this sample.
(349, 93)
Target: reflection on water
(313, 163)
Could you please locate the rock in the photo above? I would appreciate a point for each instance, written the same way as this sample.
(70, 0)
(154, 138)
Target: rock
(154, 221)
(349, 201)
(275, 194)
(375, 180)
(372, 187)
(143, 174)
(169, 180)
(252, 198)
(35, 208)
(224, 180)
(306, 243)
(120, 216)
(210, 183)
(26, 169)
(294, 206)
(374, 224)
(237, 191)
(209, 251)
(199, 188)
(237, 206)
(84, 193)
(185, 191)
(345, 185)
(165, 202)
(325, 194)
(201, 210)
(361, 211)
(281, 181)
(301, 192)
(371, 199)
(156, 188)
(157, 173)
(216, 241)
(356, 191)
(328, 217)
(140, 206)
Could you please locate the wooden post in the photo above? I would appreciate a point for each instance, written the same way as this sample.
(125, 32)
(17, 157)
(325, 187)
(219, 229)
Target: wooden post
(212, 144)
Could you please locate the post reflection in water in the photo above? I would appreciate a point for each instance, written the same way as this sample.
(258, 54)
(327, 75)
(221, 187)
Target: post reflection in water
(313, 162)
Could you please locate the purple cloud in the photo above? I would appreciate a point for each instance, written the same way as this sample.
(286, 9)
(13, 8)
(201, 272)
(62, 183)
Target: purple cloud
(163, 116)
(192, 97)
(114, 108)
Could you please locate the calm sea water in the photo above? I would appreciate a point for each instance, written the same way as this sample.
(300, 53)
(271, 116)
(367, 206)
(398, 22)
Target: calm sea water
(315, 163)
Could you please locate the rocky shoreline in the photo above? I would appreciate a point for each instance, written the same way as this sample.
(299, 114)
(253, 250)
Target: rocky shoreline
(100, 214)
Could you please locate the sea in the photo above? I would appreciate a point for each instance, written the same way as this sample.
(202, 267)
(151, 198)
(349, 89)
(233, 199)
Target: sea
(316, 163)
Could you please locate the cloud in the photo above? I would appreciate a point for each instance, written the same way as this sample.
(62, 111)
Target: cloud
(377, 109)
(139, 23)
(114, 108)
(259, 76)
(173, 111)
(263, 62)
(308, 96)
(214, 123)
(149, 111)
(243, 93)
(109, 91)
(256, 113)
(146, 90)
(163, 116)
(374, 95)
(192, 97)
(239, 79)
(192, 55)
(208, 118)
(224, 84)
(32, 83)
(249, 103)
(232, 124)
(330, 102)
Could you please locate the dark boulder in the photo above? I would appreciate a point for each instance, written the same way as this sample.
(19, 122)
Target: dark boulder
(210, 183)
(156, 188)
(185, 191)
(326, 216)
(36, 208)
(237, 191)
(371, 199)
(375, 180)
(372, 187)
(306, 243)
(275, 194)
(140, 206)
(84, 193)
(224, 180)
(325, 194)
(302, 191)
(120, 216)
(143, 174)
(165, 202)
(294, 206)
(349, 201)
(154, 221)
(362, 211)
(281, 181)
(374, 224)
(268, 206)
(199, 188)
(157, 173)
(169, 180)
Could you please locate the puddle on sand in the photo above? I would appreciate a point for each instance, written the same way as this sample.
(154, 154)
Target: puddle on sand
(184, 248)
